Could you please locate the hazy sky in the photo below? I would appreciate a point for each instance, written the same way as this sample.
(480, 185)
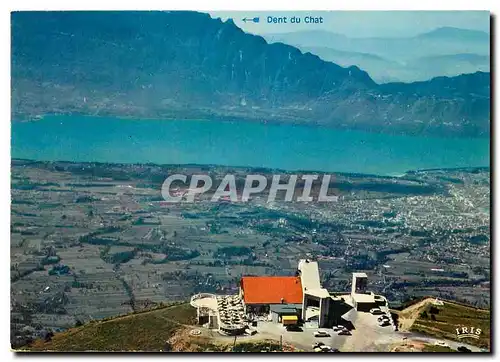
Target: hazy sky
(364, 23)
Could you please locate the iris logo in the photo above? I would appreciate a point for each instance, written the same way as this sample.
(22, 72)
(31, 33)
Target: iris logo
(466, 332)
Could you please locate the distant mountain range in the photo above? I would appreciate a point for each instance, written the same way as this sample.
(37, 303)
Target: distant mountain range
(437, 42)
(421, 68)
(188, 65)
(442, 52)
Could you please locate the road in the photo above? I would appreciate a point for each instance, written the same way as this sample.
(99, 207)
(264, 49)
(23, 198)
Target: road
(432, 340)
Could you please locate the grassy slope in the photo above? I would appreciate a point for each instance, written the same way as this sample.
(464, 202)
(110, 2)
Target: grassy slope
(146, 331)
(150, 331)
(452, 316)
(432, 348)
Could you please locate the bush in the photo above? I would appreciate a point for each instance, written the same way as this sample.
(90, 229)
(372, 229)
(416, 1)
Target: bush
(433, 310)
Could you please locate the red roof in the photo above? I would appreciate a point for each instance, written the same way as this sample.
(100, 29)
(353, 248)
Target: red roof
(271, 290)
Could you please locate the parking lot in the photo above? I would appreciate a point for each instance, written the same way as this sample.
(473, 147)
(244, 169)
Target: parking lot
(366, 335)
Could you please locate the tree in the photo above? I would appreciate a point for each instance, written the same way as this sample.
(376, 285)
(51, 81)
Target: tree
(433, 310)
(48, 336)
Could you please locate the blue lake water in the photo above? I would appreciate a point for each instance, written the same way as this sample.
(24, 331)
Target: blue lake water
(289, 147)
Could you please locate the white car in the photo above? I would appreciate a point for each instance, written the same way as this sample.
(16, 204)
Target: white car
(337, 328)
(441, 344)
(321, 334)
(317, 344)
(376, 311)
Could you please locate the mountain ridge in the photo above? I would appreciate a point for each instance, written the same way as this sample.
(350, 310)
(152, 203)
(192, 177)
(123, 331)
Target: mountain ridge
(447, 31)
(407, 59)
(187, 64)
(440, 31)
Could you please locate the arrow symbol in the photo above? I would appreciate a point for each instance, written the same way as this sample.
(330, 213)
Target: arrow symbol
(255, 20)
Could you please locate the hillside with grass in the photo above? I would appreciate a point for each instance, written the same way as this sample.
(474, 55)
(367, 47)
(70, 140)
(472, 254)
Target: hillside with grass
(144, 331)
(170, 329)
(164, 329)
(442, 320)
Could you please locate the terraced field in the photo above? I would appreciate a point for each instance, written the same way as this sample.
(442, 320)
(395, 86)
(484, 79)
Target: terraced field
(442, 321)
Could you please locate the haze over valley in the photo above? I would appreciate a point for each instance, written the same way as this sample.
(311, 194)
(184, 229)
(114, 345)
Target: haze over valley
(445, 51)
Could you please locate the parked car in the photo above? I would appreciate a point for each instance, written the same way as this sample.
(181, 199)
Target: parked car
(376, 311)
(337, 328)
(383, 318)
(321, 334)
(344, 332)
(317, 344)
(384, 323)
(441, 344)
(463, 349)
(325, 348)
(293, 328)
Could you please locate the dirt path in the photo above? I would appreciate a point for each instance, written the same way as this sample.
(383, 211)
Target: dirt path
(409, 315)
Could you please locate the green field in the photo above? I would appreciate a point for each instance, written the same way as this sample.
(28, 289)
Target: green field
(442, 321)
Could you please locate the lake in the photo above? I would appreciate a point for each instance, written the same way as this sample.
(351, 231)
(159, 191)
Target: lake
(289, 147)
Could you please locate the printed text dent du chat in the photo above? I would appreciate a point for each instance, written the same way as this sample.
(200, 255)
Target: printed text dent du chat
(295, 19)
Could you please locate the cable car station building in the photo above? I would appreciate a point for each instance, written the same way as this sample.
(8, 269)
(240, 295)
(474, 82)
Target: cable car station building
(301, 298)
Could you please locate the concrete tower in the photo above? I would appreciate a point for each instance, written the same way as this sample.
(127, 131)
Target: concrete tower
(359, 283)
